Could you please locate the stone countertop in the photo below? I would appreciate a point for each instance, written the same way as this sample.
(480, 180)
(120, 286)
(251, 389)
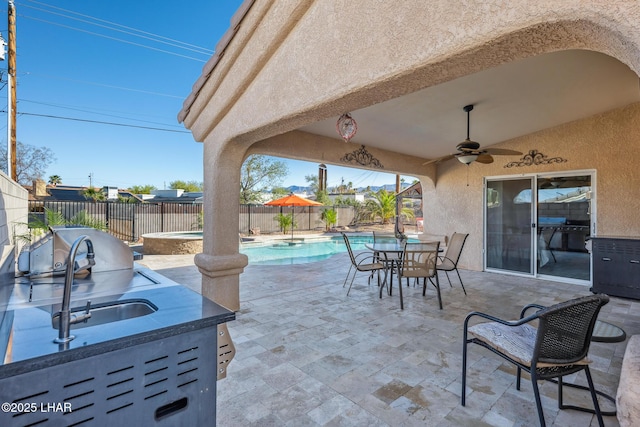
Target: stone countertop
(616, 237)
(27, 333)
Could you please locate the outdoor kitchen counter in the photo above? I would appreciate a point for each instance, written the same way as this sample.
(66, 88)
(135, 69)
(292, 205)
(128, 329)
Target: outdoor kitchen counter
(26, 335)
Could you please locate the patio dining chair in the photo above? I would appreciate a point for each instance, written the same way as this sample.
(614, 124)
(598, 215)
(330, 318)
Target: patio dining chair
(365, 262)
(419, 262)
(558, 346)
(389, 260)
(449, 261)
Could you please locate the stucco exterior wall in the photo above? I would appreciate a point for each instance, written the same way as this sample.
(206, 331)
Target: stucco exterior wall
(601, 143)
(13, 210)
(13, 213)
(315, 148)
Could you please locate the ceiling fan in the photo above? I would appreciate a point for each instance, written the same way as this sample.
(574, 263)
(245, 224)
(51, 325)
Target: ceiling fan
(469, 151)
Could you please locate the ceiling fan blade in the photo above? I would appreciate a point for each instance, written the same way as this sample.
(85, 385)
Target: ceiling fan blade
(484, 158)
(439, 159)
(501, 152)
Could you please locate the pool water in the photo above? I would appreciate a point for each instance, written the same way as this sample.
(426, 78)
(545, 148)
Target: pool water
(301, 252)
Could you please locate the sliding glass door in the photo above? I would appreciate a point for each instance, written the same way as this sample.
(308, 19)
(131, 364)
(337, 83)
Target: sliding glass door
(538, 225)
(509, 219)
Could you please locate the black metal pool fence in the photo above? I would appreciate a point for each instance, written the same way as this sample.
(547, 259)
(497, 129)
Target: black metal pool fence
(129, 221)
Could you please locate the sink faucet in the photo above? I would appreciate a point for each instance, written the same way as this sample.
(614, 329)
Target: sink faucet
(74, 266)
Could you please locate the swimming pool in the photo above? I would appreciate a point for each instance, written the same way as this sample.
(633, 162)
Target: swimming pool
(301, 252)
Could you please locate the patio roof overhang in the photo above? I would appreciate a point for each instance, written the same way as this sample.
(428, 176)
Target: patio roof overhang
(543, 85)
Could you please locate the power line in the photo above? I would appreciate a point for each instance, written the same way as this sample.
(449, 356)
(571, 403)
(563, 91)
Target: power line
(143, 34)
(48, 76)
(203, 49)
(49, 116)
(104, 85)
(113, 38)
(88, 111)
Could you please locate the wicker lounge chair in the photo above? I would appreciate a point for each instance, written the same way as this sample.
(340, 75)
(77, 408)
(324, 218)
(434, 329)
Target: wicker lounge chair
(558, 346)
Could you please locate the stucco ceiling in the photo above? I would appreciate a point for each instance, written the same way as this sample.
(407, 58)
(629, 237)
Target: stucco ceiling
(510, 100)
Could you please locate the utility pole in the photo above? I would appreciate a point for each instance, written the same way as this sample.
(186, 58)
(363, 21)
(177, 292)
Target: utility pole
(90, 180)
(11, 91)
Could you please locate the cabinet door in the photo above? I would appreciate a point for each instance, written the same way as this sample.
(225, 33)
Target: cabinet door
(616, 267)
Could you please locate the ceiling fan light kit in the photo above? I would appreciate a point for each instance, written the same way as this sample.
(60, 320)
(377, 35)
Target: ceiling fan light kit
(467, 159)
(468, 148)
(469, 151)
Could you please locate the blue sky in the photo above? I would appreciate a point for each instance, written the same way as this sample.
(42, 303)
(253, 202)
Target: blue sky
(84, 62)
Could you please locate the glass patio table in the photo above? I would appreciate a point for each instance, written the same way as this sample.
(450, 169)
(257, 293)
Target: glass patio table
(607, 333)
(390, 254)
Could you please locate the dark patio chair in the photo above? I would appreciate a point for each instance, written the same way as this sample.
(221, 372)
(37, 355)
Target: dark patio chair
(449, 261)
(364, 261)
(419, 262)
(558, 346)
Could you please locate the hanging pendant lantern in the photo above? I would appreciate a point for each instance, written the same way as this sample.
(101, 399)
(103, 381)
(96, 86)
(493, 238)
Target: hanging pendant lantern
(346, 127)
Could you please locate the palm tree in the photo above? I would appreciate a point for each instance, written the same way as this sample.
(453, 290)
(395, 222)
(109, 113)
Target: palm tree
(330, 217)
(285, 221)
(93, 194)
(38, 227)
(55, 180)
(383, 206)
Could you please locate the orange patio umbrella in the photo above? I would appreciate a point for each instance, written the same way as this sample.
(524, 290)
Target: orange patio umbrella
(292, 200)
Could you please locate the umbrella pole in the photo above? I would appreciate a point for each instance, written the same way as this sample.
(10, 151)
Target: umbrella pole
(292, 223)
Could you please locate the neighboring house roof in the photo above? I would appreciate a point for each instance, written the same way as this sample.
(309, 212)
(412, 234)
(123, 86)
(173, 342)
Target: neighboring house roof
(412, 192)
(186, 199)
(63, 193)
(66, 194)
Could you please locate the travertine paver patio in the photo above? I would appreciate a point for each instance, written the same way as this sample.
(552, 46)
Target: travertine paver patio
(308, 355)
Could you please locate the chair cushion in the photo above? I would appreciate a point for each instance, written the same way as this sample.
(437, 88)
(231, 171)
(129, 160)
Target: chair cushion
(517, 342)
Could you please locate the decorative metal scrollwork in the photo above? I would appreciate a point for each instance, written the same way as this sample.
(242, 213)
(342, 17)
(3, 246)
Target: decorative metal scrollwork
(362, 157)
(534, 157)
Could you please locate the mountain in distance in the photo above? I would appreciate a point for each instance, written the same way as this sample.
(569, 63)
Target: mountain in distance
(298, 189)
(374, 188)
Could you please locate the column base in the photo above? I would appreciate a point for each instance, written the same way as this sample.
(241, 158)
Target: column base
(221, 278)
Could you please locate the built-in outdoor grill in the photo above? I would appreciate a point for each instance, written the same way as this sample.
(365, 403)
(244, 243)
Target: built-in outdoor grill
(48, 255)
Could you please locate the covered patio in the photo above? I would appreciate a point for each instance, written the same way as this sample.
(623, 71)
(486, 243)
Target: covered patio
(308, 355)
(558, 84)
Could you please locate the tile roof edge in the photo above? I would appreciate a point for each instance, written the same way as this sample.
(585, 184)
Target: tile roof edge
(210, 65)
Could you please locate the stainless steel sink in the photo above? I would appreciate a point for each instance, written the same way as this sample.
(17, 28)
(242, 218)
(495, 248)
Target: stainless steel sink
(109, 312)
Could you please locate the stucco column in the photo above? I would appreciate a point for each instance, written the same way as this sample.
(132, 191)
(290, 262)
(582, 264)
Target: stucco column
(221, 263)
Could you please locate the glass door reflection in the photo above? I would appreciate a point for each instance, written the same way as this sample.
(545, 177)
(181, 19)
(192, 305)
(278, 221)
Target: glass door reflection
(564, 223)
(509, 219)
